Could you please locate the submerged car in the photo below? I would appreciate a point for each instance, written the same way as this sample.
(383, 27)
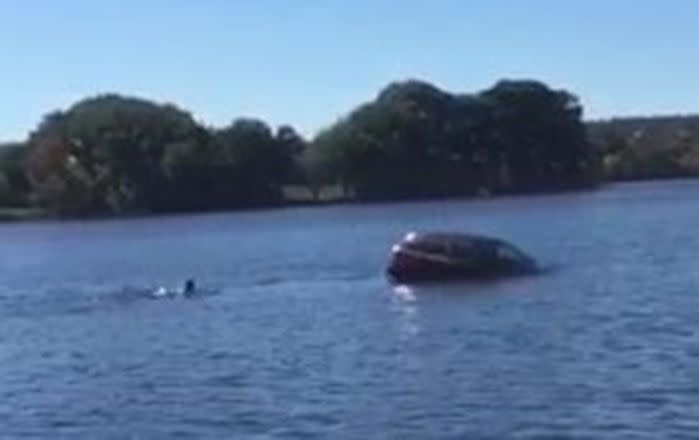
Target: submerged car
(444, 256)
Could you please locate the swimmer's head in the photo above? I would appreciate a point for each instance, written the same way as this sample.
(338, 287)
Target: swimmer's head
(189, 286)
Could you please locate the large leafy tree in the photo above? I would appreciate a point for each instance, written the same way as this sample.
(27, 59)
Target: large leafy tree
(104, 154)
(114, 154)
(540, 134)
(415, 140)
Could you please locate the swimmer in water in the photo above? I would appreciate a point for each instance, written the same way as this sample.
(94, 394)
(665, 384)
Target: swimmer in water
(189, 287)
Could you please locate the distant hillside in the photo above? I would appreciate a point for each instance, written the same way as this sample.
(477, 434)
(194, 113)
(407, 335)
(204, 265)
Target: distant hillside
(648, 147)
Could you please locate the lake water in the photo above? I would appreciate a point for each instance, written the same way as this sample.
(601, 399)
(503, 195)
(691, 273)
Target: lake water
(301, 336)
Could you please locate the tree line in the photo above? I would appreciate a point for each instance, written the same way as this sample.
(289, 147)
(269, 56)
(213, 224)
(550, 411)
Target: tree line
(115, 155)
(647, 148)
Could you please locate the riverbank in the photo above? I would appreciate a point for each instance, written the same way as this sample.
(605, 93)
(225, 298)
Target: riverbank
(294, 197)
(297, 196)
(22, 214)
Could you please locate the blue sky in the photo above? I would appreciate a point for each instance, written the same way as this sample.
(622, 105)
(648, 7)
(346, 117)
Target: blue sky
(307, 62)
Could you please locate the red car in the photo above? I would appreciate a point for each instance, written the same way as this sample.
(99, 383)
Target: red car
(442, 256)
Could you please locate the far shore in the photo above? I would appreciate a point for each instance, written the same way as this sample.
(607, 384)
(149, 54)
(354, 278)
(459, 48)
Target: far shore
(21, 214)
(297, 197)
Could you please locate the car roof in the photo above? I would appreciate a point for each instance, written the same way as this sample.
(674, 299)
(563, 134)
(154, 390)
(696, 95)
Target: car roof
(450, 238)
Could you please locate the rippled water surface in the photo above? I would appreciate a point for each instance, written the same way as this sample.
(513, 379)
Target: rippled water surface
(301, 336)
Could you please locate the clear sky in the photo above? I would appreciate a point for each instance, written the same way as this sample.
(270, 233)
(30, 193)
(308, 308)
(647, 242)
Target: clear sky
(307, 62)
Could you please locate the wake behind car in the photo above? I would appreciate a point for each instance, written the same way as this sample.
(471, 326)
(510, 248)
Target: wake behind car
(444, 256)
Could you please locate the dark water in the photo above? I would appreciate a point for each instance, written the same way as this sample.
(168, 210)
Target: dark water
(302, 337)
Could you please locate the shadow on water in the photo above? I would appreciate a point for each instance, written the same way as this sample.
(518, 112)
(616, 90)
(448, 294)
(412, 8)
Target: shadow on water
(471, 287)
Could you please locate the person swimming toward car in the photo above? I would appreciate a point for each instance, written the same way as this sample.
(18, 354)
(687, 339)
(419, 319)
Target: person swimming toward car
(189, 289)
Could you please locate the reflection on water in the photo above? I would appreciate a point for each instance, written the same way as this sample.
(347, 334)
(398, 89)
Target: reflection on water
(404, 300)
(404, 293)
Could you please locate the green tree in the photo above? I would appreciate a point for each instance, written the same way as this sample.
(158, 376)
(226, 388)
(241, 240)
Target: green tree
(259, 162)
(14, 186)
(104, 155)
(540, 135)
(415, 140)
